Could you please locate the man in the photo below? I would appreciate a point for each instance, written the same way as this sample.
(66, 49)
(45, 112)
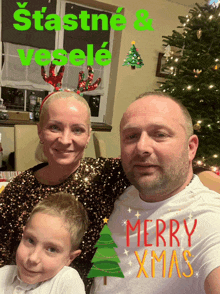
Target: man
(167, 225)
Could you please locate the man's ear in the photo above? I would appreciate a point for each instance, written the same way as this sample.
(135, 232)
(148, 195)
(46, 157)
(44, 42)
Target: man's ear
(193, 146)
(73, 255)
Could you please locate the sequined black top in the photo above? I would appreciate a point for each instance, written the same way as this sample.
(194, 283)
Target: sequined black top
(96, 183)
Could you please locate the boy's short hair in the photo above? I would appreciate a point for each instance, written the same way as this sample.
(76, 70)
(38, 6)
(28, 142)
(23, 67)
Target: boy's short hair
(67, 207)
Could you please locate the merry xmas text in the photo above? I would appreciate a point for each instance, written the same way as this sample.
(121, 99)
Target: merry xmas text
(159, 236)
(159, 233)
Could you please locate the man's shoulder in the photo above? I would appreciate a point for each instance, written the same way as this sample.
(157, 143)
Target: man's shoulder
(129, 197)
(131, 191)
(198, 188)
(199, 202)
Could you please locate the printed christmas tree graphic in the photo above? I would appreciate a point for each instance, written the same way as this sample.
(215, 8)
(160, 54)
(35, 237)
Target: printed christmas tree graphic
(105, 261)
(133, 58)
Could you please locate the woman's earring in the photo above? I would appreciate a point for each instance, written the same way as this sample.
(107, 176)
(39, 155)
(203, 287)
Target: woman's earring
(41, 142)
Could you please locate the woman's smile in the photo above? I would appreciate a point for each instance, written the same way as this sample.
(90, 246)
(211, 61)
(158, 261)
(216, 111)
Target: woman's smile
(65, 133)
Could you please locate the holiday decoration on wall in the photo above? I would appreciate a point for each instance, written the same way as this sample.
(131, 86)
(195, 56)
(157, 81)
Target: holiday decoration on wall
(105, 261)
(196, 78)
(133, 58)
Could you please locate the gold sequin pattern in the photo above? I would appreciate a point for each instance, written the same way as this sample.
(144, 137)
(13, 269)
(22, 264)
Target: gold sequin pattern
(96, 183)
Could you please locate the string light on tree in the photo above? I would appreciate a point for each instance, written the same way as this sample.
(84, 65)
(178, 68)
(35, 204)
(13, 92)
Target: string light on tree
(199, 33)
(197, 127)
(197, 72)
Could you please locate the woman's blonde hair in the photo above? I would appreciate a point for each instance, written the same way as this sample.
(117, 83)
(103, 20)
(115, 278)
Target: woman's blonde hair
(39, 153)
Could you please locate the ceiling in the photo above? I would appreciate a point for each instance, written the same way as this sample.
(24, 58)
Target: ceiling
(189, 3)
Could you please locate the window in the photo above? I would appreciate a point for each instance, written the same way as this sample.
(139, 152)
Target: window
(14, 75)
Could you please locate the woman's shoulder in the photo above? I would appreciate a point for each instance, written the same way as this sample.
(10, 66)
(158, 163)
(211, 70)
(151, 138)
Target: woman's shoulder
(107, 171)
(25, 178)
(37, 167)
(103, 166)
(102, 162)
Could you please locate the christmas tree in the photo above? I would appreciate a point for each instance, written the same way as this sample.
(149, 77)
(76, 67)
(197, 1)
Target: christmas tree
(133, 58)
(193, 65)
(105, 261)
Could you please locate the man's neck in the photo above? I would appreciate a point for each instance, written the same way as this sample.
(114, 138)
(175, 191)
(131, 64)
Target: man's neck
(163, 195)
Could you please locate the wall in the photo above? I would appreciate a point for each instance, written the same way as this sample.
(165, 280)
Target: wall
(7, 141)
(131, 83)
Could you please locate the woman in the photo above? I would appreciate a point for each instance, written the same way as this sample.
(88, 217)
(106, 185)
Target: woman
(64, 131)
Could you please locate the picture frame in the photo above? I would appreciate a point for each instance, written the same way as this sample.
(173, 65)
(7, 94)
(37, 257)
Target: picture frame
(160, 63)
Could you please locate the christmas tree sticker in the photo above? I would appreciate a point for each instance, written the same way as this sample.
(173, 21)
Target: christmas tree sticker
(105, 261)
(133, 58)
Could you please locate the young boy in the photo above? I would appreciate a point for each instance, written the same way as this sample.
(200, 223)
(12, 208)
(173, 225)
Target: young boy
(49, 244)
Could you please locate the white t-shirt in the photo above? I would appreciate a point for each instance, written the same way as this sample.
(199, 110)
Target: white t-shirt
(67, 281)
(195, 203)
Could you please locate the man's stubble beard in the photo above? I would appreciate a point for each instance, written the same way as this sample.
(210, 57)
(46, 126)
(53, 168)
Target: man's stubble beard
(165, 180)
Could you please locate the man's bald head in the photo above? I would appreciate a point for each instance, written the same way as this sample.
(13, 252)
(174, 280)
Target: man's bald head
(188, 125)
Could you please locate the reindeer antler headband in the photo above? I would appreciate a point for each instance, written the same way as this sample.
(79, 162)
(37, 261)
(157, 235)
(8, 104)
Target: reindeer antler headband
(56, 80)
(53, 79)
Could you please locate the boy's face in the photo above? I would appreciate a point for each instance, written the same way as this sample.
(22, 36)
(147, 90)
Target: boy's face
(45, 248)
